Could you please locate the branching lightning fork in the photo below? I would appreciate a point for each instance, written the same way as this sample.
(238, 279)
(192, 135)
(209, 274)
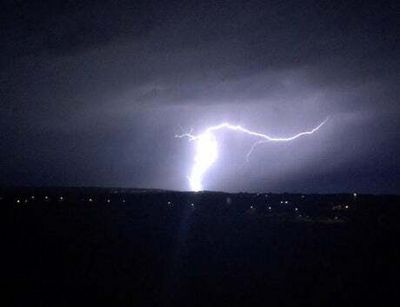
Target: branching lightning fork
(206, 152)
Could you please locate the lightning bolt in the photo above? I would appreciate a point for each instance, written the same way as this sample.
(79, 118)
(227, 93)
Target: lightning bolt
(206, 148)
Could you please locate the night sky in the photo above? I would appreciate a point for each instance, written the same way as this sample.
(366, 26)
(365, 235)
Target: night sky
(92, 93)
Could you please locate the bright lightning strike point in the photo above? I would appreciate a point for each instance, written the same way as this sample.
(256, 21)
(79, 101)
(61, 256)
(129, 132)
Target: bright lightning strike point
(206, 148)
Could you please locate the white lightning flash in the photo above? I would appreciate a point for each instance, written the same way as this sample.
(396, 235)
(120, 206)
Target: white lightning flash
(206, 151)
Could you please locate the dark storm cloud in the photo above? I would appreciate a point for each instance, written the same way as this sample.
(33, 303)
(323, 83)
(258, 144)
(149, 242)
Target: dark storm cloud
(93, 93)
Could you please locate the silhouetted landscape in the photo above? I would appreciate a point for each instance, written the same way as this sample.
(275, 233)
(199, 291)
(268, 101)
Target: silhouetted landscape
(93, 246)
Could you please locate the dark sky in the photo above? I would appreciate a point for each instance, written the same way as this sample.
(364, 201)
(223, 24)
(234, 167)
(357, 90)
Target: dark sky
(93, 93)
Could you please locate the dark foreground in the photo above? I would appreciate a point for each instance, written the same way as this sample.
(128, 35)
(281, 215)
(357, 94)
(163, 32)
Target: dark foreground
(94, 247)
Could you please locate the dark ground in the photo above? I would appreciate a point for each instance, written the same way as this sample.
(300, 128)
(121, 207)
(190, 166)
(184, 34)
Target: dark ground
(156, 249)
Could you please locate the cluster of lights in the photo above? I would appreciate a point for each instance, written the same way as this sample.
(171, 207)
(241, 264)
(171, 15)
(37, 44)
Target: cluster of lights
(18, 201)
(60, 198)
(171, 204)
(192, 205)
